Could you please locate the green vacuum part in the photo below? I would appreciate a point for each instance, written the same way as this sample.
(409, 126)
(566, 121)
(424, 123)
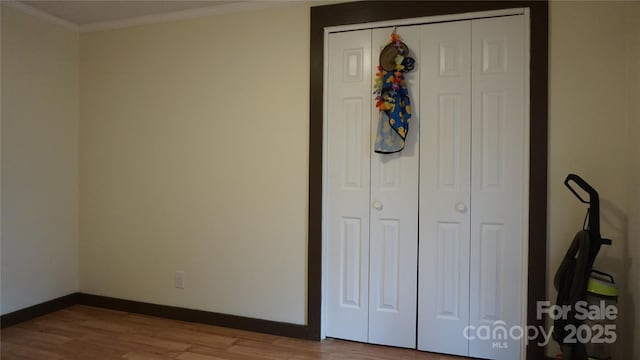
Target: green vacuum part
(602, 288)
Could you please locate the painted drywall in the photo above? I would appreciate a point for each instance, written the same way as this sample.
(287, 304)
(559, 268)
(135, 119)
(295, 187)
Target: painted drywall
(590, 76)
(194, 138)
(39, 160)
(632, 261)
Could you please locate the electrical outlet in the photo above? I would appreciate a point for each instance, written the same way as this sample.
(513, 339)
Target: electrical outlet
(179, 280)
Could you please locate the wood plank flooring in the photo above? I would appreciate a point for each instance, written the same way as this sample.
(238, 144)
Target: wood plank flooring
(83, 332)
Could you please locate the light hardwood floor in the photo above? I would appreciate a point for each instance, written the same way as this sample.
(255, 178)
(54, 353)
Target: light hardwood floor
(83, 332)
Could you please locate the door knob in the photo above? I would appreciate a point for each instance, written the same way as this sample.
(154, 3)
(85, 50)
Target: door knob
(461, 207)
(377, 205)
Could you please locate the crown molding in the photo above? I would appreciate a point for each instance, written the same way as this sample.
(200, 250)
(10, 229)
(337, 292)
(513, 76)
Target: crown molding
(187, 14)
(27, 9)
(239, 6)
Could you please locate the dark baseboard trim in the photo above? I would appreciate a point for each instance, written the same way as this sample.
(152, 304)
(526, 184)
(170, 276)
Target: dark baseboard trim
(198, 316)
(162, 311)
(34, 311)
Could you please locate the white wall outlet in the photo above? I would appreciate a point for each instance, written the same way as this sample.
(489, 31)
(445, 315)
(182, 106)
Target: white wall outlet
(179, 279)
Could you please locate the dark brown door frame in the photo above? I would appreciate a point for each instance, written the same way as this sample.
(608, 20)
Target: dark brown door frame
(372, 11)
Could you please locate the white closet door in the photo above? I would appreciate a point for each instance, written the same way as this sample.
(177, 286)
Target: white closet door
(497, 185)
(443, 311)
(347, 181)
(394, 222)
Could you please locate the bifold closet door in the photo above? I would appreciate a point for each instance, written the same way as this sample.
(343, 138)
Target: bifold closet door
(472, 177)
(393, 233)
(372, 201)
(348, 185)
(498, 180)
(445, 150)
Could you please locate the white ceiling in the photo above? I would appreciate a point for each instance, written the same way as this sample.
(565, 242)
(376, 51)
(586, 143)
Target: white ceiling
(88, 12)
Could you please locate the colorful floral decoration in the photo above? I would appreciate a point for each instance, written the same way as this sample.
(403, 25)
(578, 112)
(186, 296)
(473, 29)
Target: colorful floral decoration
(392, 96)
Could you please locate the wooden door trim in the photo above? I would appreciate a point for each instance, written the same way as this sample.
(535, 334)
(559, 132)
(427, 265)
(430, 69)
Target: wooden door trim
(371, 11)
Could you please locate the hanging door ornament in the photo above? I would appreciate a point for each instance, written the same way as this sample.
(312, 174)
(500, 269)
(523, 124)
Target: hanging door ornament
(392, 96)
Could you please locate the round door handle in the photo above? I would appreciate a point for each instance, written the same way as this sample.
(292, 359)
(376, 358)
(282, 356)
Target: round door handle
(461, 207)
(377, 205)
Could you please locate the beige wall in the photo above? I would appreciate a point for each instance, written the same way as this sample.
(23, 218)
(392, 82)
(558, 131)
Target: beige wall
(589, 116)
(39, 160)
(194, 138)
(632, 261)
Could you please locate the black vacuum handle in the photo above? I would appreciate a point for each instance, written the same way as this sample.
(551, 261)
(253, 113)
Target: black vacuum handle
(593, 194)
(594, 204)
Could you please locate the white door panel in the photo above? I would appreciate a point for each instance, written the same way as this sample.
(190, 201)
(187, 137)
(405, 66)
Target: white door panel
(348, 187)
(443, 310)
(497, 181)
(394, 223)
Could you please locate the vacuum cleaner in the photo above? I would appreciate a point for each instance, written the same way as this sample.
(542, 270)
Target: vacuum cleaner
(581, 334)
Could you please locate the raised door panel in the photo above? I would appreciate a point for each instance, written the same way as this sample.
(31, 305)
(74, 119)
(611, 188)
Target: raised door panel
(498, 175)
(443, 306)
(394, 223)
(348, 187)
